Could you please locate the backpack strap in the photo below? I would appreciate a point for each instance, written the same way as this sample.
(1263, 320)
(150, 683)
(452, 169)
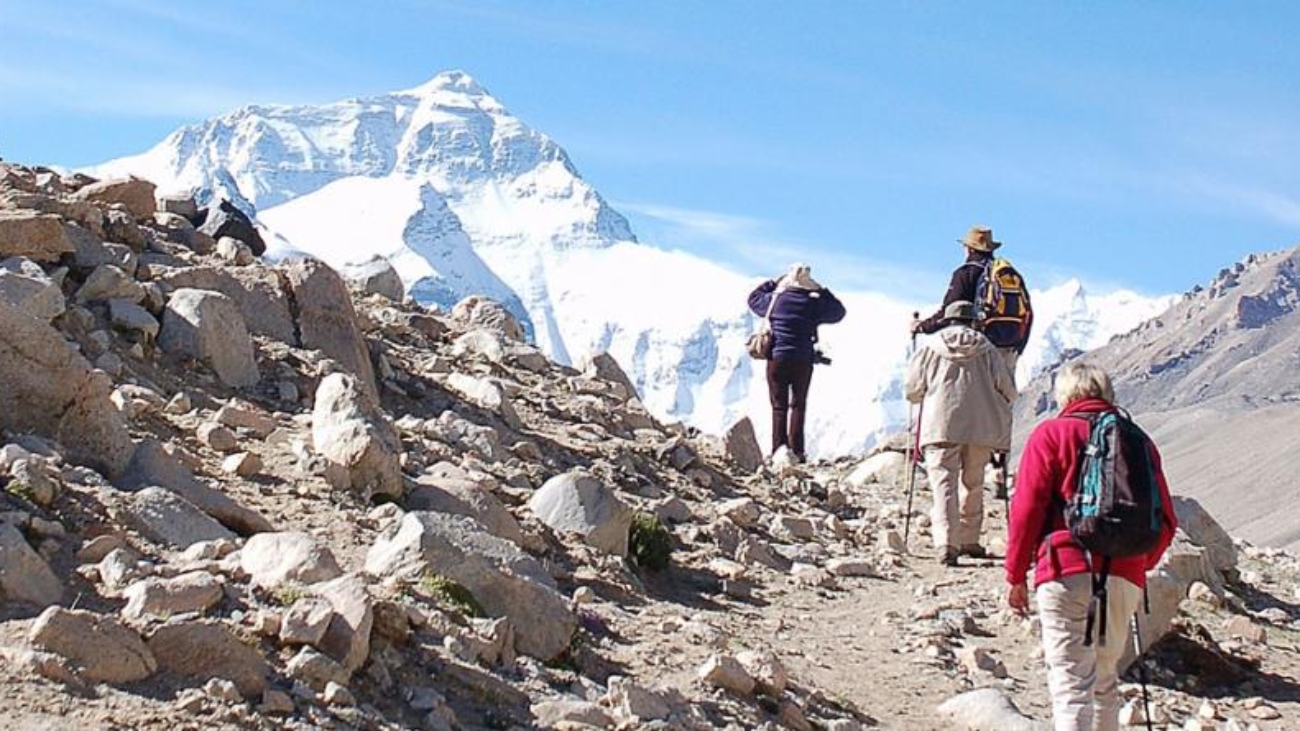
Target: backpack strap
(1097, 605)
(771, 305)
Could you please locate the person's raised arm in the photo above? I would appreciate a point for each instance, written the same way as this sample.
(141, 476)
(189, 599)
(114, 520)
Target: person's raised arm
(761, 297)
(829, 309)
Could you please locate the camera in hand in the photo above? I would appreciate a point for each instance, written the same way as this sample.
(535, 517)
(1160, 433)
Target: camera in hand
(820, 357)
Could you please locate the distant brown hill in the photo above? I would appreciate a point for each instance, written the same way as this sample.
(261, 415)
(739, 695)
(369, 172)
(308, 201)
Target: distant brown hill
(1216, 380)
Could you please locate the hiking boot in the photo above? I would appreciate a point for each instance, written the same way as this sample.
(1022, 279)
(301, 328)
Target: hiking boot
(949, 557)
(974, 551)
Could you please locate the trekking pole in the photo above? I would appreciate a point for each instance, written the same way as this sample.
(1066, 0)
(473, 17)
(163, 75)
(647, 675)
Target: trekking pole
(913, 445)
(914, 440)
(1142, 671)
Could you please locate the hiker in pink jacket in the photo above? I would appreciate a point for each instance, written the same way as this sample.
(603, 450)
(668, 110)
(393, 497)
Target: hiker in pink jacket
(1082, 678)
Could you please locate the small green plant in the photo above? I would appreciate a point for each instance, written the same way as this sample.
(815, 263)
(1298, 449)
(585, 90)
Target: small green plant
(20, 488)
(287, 594)
(449, 593)
(649, 543)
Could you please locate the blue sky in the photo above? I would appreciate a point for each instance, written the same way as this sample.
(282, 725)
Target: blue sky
(1137, 144)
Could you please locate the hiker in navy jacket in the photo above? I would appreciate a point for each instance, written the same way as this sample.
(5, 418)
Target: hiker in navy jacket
(798, 305)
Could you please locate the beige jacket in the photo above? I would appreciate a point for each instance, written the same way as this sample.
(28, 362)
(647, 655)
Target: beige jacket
(965, 390)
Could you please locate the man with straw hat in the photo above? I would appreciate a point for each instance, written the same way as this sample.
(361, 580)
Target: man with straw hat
(980, 246)
(965, 285)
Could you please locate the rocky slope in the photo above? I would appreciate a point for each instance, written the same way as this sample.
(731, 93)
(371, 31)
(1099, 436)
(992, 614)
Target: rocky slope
(239, 495)
(1213, 379)
(465, 198)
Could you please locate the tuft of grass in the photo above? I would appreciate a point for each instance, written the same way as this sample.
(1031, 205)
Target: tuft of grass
(650, 544)
(286, 594)
(451, 594)
(20, 488)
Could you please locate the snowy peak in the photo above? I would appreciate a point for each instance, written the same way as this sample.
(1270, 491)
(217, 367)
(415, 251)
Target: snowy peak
(455, 81)
(454, 89)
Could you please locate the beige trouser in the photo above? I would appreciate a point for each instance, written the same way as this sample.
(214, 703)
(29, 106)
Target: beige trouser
(1083, 681)
(956, 473)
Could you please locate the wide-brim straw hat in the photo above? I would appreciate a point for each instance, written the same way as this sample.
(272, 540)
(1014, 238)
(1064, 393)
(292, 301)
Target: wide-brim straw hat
(959, 310)
(979, 238)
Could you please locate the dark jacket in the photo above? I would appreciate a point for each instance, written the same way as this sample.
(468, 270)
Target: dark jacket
(795, 317)
(965, 280)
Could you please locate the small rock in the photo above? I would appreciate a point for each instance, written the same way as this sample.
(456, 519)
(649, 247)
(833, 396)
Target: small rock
(892, 540)
(765, 668)
(1243, 628)
(243, 464)
(724, 671)
(239, 415)
(1200, 592)
(217, 437)
(808, 575)
(25, 577)
(584, 595)
(850, 567)
(105, 650)
(192, 592)
(179, 404)
(94, 550)
(234, 251)
(306, 621)
(337, 695)
(743, 511)
(987, 708)
(575, 714)
(271, 559)
(223, 690)
(979, 659)
(633, 703)
(276, 703)
(315, 669)
(200, 649)
(1265, 712)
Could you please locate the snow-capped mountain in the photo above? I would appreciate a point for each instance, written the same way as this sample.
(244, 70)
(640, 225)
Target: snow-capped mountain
(1070, 319)
(466, 199)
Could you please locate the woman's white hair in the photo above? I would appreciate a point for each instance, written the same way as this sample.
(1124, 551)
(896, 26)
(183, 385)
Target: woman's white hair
(1077, 380)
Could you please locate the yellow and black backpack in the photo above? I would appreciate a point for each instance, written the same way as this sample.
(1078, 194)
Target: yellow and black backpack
(1002, 303)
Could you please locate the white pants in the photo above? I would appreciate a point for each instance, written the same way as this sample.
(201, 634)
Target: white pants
(956, 473)
(1083, 681)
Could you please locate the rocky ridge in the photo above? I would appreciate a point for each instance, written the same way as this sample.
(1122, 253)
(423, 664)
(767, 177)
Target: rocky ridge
(250, 496)
(1213, 379)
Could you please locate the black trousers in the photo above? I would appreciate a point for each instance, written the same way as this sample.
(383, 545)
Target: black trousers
(787, 387)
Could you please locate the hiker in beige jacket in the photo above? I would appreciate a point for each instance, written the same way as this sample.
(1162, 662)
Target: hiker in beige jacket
(965, 392)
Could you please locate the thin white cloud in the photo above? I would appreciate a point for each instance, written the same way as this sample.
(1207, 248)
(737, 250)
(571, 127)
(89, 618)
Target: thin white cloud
(1275, 206)
(75, 90)
(750, 244)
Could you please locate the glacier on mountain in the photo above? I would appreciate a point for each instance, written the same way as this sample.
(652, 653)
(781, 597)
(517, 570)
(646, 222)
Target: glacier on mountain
(464, 199)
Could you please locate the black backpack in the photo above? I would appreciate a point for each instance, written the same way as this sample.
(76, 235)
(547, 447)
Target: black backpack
(1002, 304)
(1117, 510)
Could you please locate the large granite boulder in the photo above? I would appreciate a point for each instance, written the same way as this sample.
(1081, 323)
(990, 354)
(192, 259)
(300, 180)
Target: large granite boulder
(51, 390)
(350, 430)
(328, 322)
(208, 327)
(503, 579)
(576, 502)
